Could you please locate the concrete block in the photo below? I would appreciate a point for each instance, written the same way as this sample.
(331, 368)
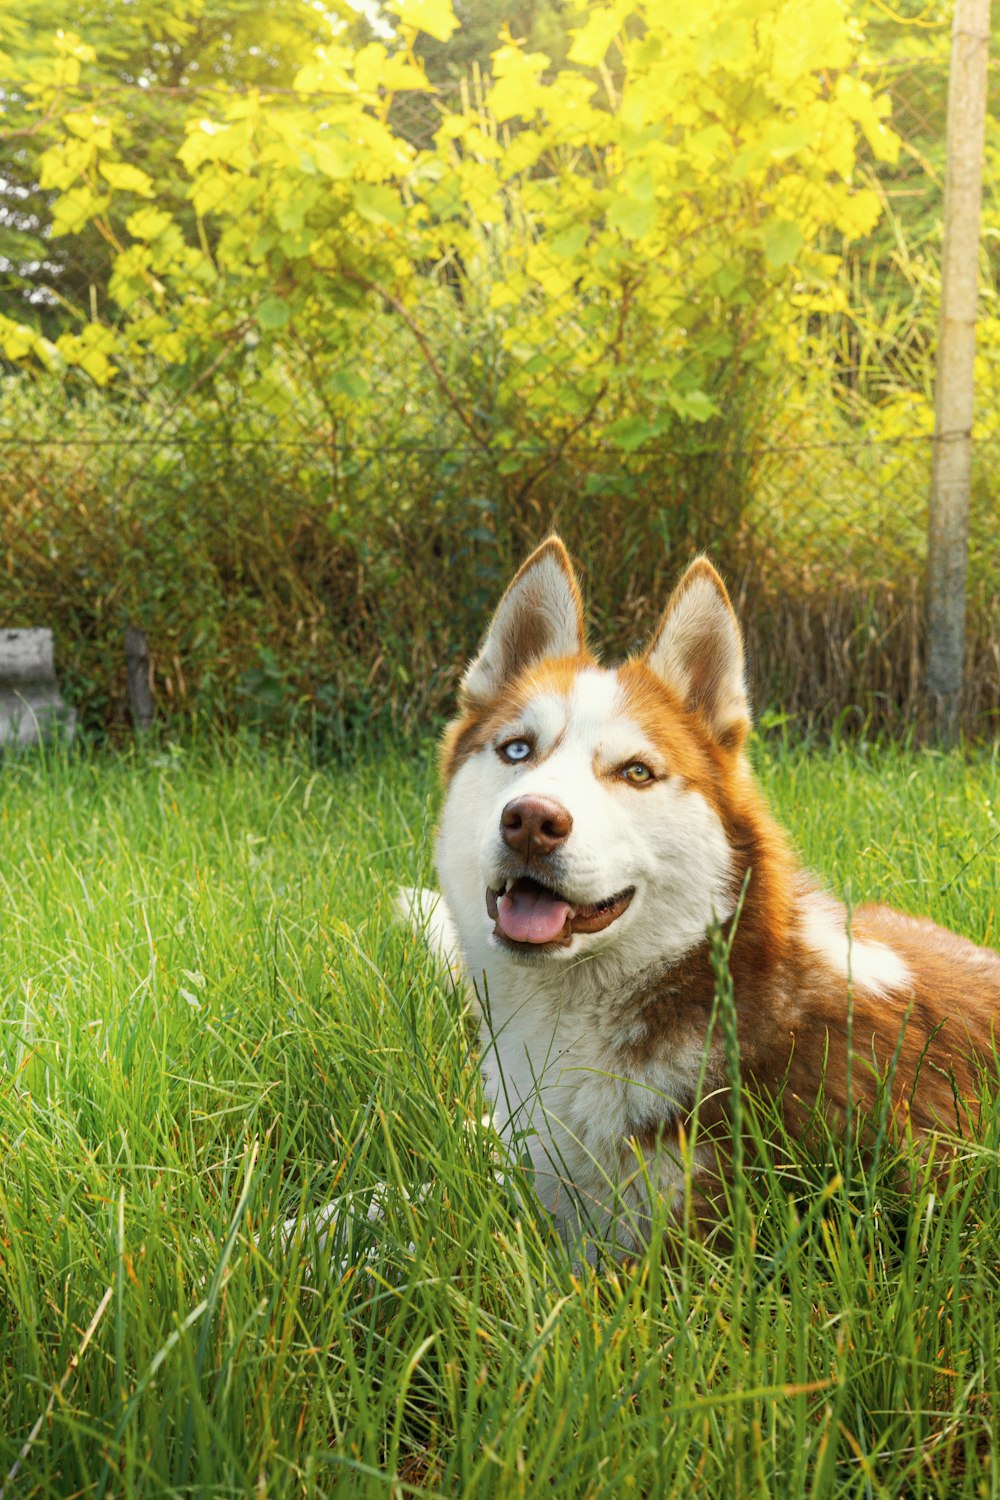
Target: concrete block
(31, 705)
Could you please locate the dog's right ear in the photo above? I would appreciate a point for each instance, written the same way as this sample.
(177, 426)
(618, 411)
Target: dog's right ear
(697, 651)
(540, 615)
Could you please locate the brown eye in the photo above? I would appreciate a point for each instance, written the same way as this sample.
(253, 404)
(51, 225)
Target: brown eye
(636, 774)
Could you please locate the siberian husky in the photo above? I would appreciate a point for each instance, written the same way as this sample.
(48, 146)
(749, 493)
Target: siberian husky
(599, 825)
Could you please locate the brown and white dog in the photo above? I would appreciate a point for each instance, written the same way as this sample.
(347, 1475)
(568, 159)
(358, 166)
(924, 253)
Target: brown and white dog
(599, 824)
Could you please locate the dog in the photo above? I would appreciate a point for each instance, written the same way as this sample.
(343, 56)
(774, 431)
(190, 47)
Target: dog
(602, 833)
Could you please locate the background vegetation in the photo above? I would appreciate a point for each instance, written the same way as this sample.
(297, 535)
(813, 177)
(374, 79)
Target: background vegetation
(314, 324)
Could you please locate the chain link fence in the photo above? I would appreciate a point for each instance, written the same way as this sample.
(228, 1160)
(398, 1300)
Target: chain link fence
(291, 557)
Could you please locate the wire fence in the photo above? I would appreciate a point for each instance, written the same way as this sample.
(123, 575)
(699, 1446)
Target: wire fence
(287, 537)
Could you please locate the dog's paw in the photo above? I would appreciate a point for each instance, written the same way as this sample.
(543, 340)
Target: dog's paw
(355, 1222)
(425, 913)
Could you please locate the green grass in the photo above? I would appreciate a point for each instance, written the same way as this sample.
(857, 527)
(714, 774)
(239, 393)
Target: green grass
(210, 1022)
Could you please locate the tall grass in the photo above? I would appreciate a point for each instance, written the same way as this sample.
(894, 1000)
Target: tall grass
(211, 1023)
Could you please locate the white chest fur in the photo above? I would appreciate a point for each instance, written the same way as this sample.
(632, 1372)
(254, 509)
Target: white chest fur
(563, 1093)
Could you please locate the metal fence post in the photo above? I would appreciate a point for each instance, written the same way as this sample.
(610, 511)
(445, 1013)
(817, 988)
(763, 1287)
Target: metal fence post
(947, 542)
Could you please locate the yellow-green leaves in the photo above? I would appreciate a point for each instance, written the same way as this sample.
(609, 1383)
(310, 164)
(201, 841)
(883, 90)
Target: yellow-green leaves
(126, 178)
(592, 40)
(782, 240)
(88, 126)
(809, 36)
(74, 210)
(517, 89)
(614, 237)
(90, 351)
(216, 141)
(435, 17)
(330, 72)
(148, 223)
(378, 71)
(857, 101)
(65, 163)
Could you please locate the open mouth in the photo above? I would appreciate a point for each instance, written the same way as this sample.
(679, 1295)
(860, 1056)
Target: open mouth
(529, 914)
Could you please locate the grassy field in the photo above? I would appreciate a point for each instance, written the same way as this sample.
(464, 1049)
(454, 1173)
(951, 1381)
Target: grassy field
(210, 1023)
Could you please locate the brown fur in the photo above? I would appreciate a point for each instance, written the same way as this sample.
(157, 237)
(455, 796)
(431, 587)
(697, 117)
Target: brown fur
(792, 1012)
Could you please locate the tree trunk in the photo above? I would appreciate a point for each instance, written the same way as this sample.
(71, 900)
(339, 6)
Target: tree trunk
(947, 543)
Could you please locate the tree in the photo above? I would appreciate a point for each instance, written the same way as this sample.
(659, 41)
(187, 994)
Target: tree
(131, 71)
(624, 232)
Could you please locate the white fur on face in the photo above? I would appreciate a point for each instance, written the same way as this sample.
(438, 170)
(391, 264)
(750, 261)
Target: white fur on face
(664, 839)
(870, 966)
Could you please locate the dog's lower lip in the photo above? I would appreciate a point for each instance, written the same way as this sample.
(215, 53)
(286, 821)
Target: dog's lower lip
(602, 913)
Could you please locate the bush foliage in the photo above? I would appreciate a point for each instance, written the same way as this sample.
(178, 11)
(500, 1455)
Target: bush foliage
(305, 348)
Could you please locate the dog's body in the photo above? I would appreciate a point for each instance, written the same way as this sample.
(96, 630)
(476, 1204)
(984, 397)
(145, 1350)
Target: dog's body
(598, 826)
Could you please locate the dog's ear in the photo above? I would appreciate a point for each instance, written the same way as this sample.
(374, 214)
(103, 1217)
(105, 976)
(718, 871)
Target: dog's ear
(541, 614)
(697, 651)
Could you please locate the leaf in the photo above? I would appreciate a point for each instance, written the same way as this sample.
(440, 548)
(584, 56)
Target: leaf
(170, 347)
(435, 17)
(855, 98)
(130, 277)
(858, 212)
(377, 203)
(379, 71)
(64, 164)
(592, 40)
(90, 127)
(330, 72)
(16, 339)
(631, 217)
(629, 433)
(69, 44)
(207, 140)
(148, 223)
(273, 312)
(75, 209)
(516, 89)
(554, 274)
(693, 404)
(89, 351)
(335, 157)
(348, 383)
(710, 142)
(126, 178)
(570, 241)
(782, 242)
(211, 189)
(808, 35)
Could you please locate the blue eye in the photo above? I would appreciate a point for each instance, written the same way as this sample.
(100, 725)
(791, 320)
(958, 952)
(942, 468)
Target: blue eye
(516, 750)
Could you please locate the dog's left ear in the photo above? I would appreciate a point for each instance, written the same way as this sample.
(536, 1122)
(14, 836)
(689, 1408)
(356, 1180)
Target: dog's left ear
(698, 652)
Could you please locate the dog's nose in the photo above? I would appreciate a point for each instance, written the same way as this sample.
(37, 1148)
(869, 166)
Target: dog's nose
(535, 825)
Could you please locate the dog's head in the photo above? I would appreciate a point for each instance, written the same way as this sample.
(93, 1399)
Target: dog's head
(588, 810)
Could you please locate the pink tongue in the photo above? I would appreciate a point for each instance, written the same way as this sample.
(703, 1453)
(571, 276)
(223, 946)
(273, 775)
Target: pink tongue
(531, 916)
